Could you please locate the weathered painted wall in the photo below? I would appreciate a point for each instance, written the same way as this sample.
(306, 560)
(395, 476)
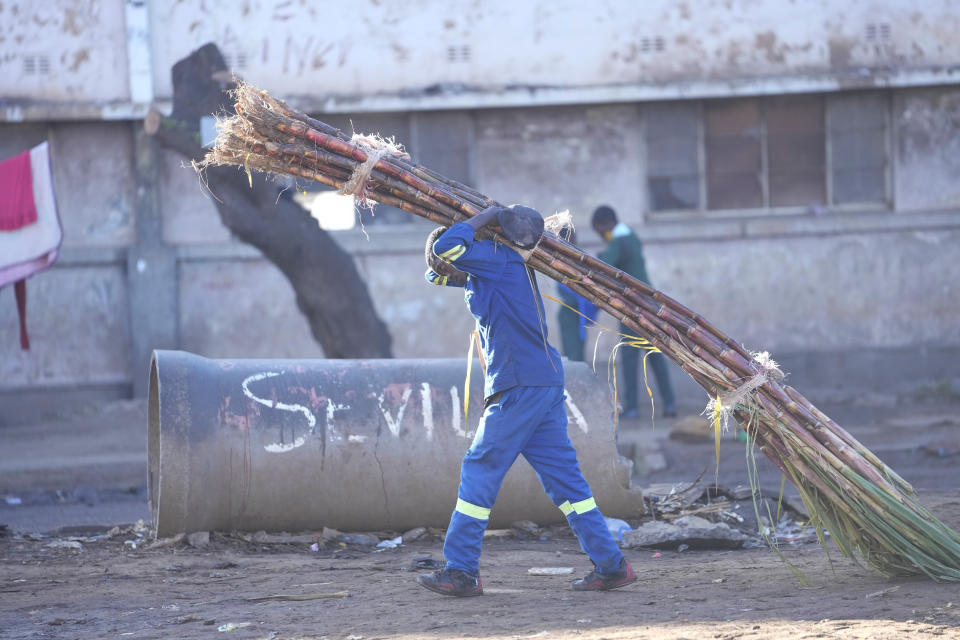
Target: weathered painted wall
(927, 149)
(78, 325)
(560, 158)
(858, 282)
(70, 58)
(241, 306)
(820, 293)
(548, 97)
(369, 48)
(93, 171)
(63, 50)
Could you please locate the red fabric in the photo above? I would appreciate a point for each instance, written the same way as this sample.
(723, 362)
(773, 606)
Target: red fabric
(17, 208)
(20, 290)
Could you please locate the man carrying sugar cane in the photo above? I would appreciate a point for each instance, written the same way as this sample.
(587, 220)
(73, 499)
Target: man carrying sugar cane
(524, 410)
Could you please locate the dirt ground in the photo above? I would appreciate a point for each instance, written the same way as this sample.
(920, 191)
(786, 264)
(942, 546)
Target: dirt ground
(108, 588)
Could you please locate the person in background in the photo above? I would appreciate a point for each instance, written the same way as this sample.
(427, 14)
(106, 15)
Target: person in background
(524, 411)
(573, 324)
(625, 252)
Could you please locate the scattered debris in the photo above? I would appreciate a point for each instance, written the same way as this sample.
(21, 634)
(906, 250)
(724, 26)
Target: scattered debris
(413, 534)
(262, 537)
(363, 539)
(942, 448)
(884, 592)
(393, 543)
(162, 543)
(550, 571)
(692, 429)
(199, 539)
(233, 626)
(301, 597)
(616, 527)
(65, 544)
(526, 526)
(421, 563)
(663, 499)
(694, 531)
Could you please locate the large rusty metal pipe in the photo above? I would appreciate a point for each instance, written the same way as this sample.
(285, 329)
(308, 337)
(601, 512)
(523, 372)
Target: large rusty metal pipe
(291, 445)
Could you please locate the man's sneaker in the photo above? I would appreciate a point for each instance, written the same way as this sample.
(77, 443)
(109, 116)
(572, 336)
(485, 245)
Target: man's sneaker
(452, 582)
(596, 581)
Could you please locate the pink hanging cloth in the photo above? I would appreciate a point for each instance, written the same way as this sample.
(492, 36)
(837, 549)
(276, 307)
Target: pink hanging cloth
(30, 233)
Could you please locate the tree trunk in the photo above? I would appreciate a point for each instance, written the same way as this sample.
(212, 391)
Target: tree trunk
(328, 287)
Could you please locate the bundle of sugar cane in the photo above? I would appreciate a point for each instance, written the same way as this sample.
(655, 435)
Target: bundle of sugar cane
(869, 511)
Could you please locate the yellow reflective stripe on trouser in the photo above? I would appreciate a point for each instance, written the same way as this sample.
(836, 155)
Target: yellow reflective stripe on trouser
(584, 505)
(472, 510)
(452, 254)
(578, 507)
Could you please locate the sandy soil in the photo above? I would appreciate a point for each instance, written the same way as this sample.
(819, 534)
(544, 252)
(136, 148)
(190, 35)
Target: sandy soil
(108, 589)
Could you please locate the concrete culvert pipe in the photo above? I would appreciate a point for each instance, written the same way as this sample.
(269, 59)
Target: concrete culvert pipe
(358, 445)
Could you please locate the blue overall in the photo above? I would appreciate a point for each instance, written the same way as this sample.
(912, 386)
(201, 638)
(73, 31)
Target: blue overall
(525, 412)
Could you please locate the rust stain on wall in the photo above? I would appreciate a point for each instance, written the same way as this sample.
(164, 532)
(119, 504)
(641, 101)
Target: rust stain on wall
(79, 57)
(767, 43)
(840, 51)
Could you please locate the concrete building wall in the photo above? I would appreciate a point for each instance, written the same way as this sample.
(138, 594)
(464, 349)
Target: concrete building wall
(349, 48)
(109, 58)
(63, 50)
(927, 149)
(560, 119)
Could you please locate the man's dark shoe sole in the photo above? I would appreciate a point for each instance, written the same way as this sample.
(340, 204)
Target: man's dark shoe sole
(441, 588)
(605, 586)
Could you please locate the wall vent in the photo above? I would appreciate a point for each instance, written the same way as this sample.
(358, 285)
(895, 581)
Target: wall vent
(235, 61)
(654, 43)
(877, 32)
(458, 53)
(36, 65)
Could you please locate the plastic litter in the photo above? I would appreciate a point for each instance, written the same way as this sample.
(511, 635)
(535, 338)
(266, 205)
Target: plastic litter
(617, 527)
(550, 571)
(393, 543)
(13, 500)
(233, 626)
(65, 544)
(301, 597)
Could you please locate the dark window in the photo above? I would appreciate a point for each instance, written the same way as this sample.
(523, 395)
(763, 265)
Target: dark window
(796, 151)
(732, 139)
(673, 178)
(443, 143)
(858, 148)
